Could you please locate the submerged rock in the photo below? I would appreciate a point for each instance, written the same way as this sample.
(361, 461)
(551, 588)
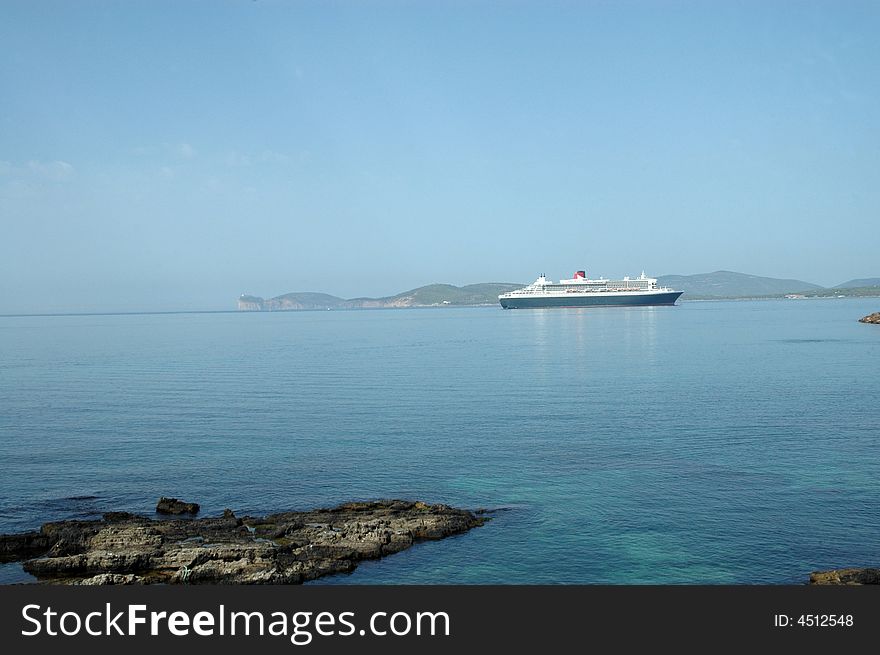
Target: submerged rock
(286, 548)
(871, 318)
(175, 506)
(846, 577)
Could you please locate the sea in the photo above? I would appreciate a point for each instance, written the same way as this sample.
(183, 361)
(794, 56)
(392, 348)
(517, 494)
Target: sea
(731, 442)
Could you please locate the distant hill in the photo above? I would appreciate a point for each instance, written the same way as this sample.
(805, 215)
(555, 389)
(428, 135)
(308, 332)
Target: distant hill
(303, 300)
(863, 282)
(728, 284)
(848, 292)
(428, 296)
(440, 294)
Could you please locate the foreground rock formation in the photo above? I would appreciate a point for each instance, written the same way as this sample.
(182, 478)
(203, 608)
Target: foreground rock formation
(871, 318)
(846, 577)
(287, 548)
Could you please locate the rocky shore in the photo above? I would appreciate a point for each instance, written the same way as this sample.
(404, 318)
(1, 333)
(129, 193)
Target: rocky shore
(871, 318)
(285, 548)
(846, 577)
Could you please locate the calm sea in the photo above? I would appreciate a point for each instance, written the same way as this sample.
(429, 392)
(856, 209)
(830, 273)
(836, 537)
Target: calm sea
(712, 442)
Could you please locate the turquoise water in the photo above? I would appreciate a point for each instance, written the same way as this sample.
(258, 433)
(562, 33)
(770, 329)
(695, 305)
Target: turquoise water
(713, 442)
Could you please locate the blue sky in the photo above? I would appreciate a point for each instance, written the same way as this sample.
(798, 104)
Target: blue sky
(169, 155)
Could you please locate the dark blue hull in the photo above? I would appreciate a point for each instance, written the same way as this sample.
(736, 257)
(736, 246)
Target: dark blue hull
(592, 300)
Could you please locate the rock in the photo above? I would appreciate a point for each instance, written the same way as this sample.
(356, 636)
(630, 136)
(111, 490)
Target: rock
(15, 547)
(871, 318)
(285, 548)
(846, 577)
(175, 506)
(108, 579)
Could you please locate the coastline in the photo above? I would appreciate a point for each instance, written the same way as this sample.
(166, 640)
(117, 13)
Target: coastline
(684, 299)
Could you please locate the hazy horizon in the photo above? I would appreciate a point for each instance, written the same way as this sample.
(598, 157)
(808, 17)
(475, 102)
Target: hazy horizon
(167, 156)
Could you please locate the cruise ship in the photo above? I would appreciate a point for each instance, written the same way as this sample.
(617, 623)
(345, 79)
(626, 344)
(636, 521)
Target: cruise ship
(582, 292)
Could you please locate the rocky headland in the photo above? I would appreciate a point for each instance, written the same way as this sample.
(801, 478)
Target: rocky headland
(285, 548)
(871, 318)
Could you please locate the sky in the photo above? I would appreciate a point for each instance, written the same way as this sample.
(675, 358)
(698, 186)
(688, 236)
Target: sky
(173, 155)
